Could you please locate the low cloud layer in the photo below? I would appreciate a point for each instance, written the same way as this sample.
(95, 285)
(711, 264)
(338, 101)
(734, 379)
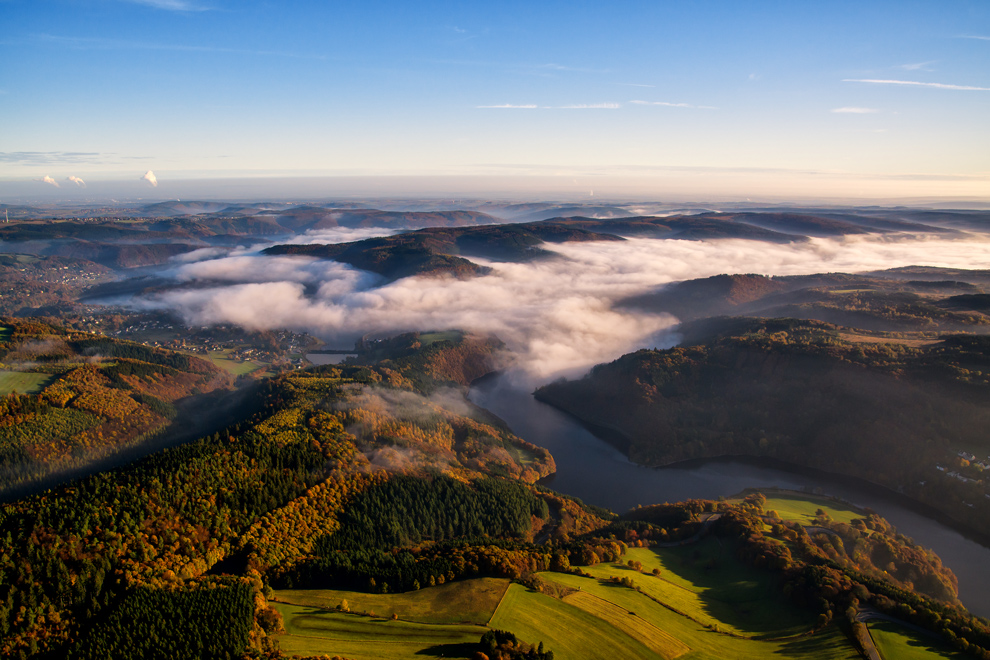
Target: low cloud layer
(556, 316)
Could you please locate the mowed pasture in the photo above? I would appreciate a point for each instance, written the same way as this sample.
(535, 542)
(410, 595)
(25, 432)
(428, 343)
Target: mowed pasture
(465, 601)
(569, 631)
(705, 581)
(22, 382)
(801, 508)
(703, 642)
(316, 631)
(630, 623)
(233, 367)
(895, 642)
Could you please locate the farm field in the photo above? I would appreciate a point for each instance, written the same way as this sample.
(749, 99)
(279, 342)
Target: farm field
(465, 601)
(702, 642)
(630, 623)
(428, 338)
(234, 367)
(801, 508)
(705, 581)
(22, 383)
(570, 632)
(897, 643)
(316, 631)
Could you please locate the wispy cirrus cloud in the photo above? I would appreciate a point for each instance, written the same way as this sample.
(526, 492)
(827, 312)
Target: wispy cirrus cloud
(590, 106)
(668, 104)
(634, 85)
(855, 111)
(552, 66)
(915, 83)
(917, 66)
(50, 157)
(171, 5)
(102, 43)
(974, 36)
(533, 106)
(509, 106)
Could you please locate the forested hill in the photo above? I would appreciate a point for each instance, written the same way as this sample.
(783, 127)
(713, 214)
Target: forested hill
(439, 251)
(908, 417)
(903, 299)
(73, 398)
(256, 500)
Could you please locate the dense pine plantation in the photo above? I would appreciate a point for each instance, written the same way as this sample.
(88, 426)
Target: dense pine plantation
(212, 622)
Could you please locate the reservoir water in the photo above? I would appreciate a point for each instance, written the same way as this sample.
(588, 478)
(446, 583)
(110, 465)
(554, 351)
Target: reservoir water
(599, 474)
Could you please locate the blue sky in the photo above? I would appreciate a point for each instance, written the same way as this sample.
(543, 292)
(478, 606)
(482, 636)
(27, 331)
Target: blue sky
(826, 98)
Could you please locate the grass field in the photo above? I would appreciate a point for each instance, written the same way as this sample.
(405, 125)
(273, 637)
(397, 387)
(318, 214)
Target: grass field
(630, 623)
(570, 632)
(234, 367)
(705, 644)
(428, 338)
(23, 383)
(801, 508)
(705, 581)
(464, 601)
(315, 631)
(897, 643)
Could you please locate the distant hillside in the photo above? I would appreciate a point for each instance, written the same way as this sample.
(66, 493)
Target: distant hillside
(883, 301)
(802, 392)
(680, 227)
(437, 251)
(33, 286)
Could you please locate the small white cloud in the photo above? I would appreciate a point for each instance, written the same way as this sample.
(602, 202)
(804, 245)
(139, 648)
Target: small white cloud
(754, 76)
(150, 177)
(974, 36)
(50, 181)
(855, 111)
(509, 106)
(76, 180)
(915, 83)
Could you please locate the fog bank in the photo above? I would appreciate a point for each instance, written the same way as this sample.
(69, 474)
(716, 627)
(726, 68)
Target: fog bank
(555, 315)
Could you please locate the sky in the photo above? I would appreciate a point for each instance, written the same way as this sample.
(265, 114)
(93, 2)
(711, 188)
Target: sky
(761, 99)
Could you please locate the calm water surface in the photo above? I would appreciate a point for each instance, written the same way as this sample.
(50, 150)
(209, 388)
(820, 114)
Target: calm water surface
(599, 474)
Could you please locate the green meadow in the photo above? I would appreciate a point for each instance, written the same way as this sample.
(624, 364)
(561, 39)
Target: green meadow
(706, 582)
(569, 631)
(897, 643)
(316, 631)
(465, 601)
(800, 507)
(234, 367)
(22, 382)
